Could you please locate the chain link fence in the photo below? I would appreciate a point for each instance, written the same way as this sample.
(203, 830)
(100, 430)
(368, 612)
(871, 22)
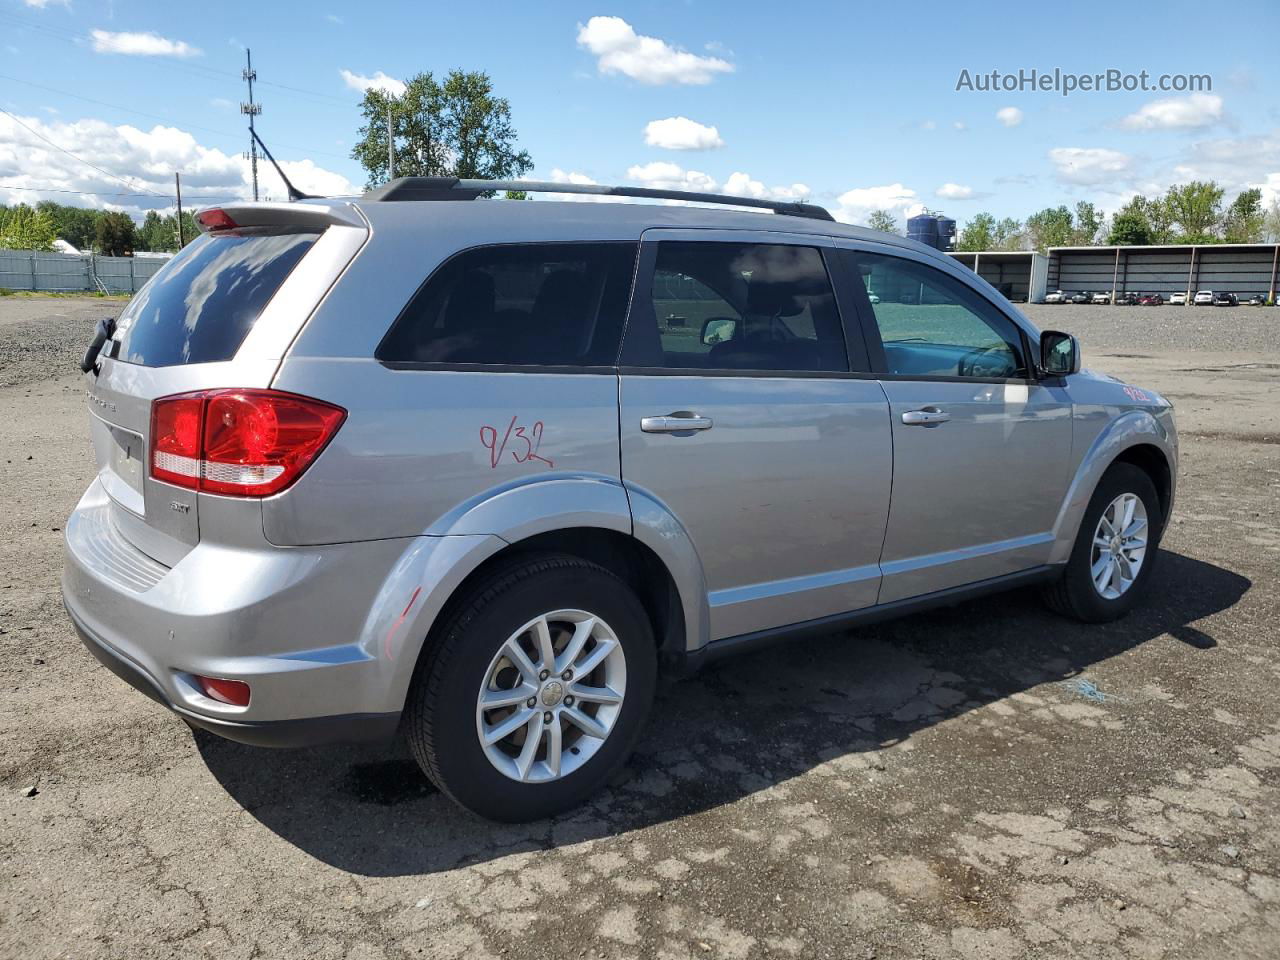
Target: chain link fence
(73, 273)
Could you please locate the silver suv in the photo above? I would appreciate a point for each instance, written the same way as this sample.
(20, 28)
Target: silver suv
(473, 470)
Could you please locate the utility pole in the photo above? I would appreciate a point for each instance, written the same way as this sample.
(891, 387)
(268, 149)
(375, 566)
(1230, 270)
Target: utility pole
(177, 185)
(391, 143)
(251, 110)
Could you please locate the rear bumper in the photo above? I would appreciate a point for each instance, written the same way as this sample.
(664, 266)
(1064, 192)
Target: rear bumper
(303, 732)
(301, 626)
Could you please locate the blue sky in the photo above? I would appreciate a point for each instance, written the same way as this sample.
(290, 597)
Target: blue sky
(852, 105)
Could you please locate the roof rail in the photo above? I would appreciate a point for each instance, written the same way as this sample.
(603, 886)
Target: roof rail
(452, 188)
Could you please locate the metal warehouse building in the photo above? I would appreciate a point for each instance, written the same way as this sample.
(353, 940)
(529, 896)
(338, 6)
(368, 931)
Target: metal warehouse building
(1240, 268)
(1021, 275)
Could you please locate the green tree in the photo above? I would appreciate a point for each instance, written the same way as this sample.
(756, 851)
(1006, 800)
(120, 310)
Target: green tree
(1051, 227)
(883, 221)
(151, 234)
(75, 225)
(1129, 228)
(25, 228)
(1271, 223)
(978, 234)
(457, 128)
(1008, 235)
(115, 235)
(1088, 224)
(1196, 207)
(1244, 219)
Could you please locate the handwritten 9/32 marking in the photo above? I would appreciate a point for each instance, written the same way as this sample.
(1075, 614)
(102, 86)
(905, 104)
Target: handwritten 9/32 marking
(524, 443)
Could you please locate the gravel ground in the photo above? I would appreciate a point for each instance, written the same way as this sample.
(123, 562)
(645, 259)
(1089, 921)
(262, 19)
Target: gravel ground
(987, 781)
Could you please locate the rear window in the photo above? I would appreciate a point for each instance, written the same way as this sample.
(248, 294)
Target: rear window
(202, 304)
(539, 304)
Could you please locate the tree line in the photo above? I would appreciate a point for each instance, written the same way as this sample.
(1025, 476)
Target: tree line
(1186, 213)
(106, 232)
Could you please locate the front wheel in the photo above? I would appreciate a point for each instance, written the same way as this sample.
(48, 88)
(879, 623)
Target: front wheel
(1115, 549)
(535, 690)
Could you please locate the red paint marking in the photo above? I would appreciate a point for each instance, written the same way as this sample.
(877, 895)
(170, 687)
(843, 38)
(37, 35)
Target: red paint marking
(1137, 395)
(531, 437)
(386, 642)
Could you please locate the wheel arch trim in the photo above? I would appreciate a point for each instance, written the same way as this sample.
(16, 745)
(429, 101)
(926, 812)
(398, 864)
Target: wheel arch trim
(1133, 429)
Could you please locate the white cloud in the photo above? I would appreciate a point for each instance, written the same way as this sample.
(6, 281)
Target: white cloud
(741, 185)
(619, 49)
(570, 176)
(1090, 166)
(670, 176)
(41, 4)
(379, 81)
(954, 191)
(928, 125)
(1177, 113)
(141, 45)
(854, 206)
(960, 125)
(1009, 116)
(681, 133)
(334, 18)
(145, 160)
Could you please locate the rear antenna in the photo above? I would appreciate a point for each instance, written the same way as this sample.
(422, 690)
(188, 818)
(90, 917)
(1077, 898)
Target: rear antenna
(294, 192)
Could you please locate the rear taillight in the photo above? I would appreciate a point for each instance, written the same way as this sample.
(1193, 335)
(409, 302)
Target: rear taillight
(246, 443)
(215, 219)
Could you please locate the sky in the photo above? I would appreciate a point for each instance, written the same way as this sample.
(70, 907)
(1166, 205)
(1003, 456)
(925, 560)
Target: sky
(852, 105)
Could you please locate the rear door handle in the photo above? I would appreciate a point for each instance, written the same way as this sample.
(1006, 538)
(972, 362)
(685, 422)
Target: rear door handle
(675, 423)
(925, 417)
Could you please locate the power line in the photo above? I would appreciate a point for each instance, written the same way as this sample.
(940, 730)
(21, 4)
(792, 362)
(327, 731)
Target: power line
(69, 153)
(167, 120)
(91, 193)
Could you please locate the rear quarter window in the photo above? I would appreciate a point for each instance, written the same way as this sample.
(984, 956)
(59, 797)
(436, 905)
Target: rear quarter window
(202, 304)
(533, 304)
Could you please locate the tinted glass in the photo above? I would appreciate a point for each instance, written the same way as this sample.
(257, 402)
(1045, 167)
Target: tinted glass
(200, 306)
(934, 325)
(741, 306)
(550, 304)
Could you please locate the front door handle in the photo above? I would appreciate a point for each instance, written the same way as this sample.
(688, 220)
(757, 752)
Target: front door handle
(925, 417)
(675, 423)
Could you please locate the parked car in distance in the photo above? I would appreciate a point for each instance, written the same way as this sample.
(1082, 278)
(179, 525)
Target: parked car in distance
(1204, 298)
(1057, 296)
(1225, 299)
(1128, 299)
(487, 514)
(1101, 297)
(1257, 300)
(1082, 297)
(1151, 300)
(1178, 299)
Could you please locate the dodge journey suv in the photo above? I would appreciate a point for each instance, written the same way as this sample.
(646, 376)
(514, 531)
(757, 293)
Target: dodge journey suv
(472, 470)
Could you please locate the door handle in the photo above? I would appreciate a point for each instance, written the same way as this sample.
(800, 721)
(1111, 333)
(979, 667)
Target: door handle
(675, 423)
(926, 417)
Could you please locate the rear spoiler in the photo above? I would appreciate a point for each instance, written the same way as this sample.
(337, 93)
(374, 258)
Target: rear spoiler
(326, 213)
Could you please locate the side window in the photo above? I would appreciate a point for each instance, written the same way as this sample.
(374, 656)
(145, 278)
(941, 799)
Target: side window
(933, 325)
(552, 304)
(743, 306)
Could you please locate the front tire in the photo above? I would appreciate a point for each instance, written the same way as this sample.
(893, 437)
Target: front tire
(534, 690)
(1115, 549)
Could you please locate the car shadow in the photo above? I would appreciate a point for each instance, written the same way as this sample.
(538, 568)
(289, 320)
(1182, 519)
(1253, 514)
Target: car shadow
(739, 727)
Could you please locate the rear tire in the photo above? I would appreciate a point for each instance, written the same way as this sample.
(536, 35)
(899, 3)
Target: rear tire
(566, 732)
(1077, 593)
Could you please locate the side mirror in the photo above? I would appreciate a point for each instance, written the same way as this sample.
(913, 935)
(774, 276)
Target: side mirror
(1059, 353)
(718, 330)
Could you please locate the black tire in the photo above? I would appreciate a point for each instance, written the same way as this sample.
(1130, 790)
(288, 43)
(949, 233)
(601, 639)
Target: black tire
(1074, 595)
(440, 716)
